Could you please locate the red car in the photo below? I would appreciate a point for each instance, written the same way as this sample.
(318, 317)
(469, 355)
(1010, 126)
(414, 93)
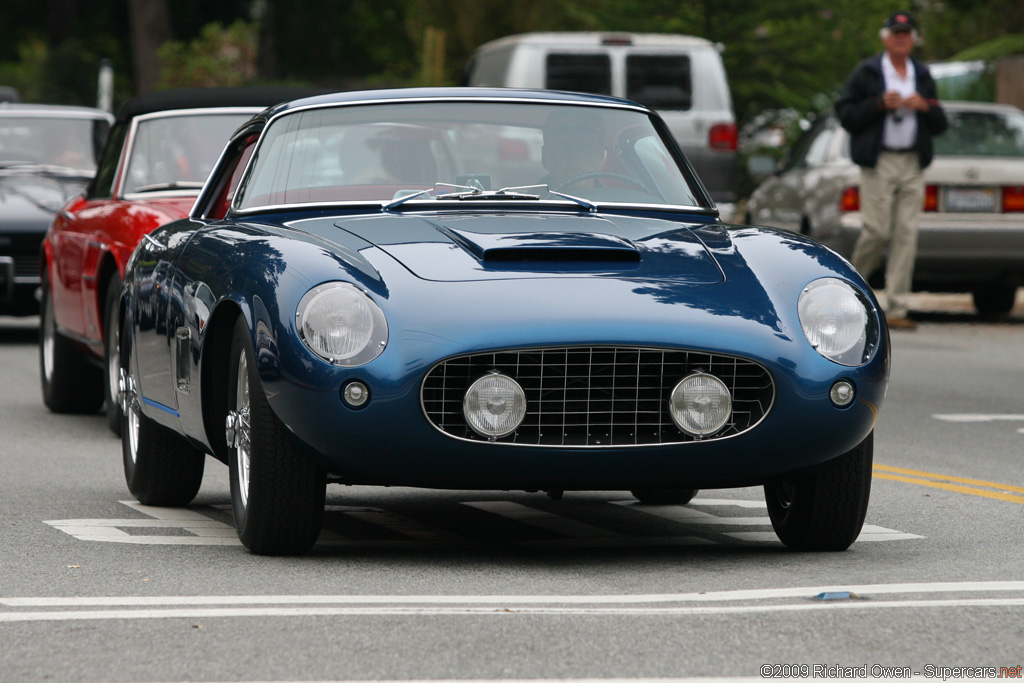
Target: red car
(156, 159)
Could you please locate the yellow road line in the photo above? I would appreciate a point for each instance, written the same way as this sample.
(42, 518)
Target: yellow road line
(926, 479)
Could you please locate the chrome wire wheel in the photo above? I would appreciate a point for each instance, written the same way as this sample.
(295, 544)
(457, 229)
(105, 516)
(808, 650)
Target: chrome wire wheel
(242, 431)
(131, 410)
(133, 429)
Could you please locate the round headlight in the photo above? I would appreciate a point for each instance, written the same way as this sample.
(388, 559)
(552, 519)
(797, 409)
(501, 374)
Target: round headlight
(494, 406)
(836, 321)
(700, 404)
(341, 324)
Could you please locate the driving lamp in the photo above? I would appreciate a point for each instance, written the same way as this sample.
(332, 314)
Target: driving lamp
(494, 405)
(700, 404)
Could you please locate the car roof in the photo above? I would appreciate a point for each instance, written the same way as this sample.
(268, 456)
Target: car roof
(426, 94)
(597, 39)
(205, 98)
(51, 111)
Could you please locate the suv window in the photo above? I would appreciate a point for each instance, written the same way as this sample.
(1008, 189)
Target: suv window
(580, 73)
(659, 81)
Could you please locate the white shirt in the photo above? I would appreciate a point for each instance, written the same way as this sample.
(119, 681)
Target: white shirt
(899, 134)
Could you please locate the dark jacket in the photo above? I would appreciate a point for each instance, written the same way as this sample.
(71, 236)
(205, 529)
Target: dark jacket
(862, 113)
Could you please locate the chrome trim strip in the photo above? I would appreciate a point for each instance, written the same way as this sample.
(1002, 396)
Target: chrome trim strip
(160, 406)
(449, 204)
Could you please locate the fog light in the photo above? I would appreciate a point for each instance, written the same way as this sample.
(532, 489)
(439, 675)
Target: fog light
(494, 406)
(700, 404)
(841, 393)
(355, 394)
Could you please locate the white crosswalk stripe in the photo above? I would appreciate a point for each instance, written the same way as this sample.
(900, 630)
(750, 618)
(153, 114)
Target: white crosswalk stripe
(704, 521)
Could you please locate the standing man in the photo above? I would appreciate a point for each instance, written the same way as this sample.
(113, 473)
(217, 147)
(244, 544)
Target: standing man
(890, 108)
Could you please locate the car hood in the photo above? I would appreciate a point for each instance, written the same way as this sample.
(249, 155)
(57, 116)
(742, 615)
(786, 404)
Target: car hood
(28, 203)
(515, 245)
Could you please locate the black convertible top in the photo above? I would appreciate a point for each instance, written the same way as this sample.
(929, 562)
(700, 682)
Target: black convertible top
(197, 98)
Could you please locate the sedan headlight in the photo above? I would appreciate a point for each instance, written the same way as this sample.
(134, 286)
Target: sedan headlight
(341, 324)
(838, 321)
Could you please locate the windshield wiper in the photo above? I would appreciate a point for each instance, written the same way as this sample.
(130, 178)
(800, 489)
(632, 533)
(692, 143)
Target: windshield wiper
(174, 185)
(465, 192)
(585, 203)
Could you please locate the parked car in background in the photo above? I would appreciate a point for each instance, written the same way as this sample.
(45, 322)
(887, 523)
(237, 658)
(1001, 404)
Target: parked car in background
(681, 77)
(972, 228)
(159, 154)
(401, 314)
(47, 154)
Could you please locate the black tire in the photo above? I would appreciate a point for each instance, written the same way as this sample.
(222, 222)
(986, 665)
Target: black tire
(664, 496)
(70, 383)
(112, 356)
(160, 467)
(994, 300)
(823, 508)
(277, 493)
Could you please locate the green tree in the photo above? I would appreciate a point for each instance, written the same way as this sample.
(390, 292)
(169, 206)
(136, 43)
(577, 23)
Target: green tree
(218, 57)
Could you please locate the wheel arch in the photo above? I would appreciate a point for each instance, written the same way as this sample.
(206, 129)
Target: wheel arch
(108, 266)
(214, 374)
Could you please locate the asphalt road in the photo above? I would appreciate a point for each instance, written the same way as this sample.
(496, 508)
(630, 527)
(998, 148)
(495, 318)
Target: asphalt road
(408, 584)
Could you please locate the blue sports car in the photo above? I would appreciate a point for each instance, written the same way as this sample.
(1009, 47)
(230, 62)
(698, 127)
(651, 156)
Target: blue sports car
(489, 289)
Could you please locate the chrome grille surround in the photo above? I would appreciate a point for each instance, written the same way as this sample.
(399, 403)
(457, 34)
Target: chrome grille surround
(596, 396)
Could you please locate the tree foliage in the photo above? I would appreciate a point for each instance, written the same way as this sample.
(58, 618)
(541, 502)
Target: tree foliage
(791, 54)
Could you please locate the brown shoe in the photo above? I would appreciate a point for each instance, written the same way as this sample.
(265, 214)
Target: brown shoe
(902, 323)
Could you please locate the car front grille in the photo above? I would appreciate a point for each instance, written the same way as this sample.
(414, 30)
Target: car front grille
(595, 397)
(24, 249)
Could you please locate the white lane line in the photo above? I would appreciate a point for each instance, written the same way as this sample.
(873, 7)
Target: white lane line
(977, 417)
(606, 599)
(544, 520)
(687, 515)
(200, 529)
(728, 502)
(211, 613)
(189, 527)
(576, 534)
(394, 522)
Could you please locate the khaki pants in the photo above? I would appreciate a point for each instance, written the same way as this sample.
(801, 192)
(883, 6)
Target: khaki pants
(891, 196)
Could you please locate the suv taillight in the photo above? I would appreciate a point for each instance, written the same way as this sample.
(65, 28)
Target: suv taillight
(723, 136)
(850, 201)
(931, 198)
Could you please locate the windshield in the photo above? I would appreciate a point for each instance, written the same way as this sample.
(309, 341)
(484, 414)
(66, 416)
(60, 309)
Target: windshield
(178, 152)
(382, 153)
(982, 133)
(69, 142)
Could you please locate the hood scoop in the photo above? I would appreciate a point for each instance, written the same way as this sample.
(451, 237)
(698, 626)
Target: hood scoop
(499, 246)
(545, 247)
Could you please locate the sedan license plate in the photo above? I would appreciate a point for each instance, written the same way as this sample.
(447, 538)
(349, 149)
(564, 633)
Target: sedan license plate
(970, 199)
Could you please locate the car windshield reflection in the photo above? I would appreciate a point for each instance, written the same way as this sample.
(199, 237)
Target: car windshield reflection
(396, 155)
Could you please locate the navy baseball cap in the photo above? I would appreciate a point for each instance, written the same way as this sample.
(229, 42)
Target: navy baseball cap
(900, 21)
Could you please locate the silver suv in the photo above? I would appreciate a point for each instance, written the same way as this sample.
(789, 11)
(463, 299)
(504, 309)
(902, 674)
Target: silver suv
(681, 77)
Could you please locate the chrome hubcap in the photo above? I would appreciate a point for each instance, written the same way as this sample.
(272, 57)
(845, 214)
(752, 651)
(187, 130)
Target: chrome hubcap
(128, 400)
